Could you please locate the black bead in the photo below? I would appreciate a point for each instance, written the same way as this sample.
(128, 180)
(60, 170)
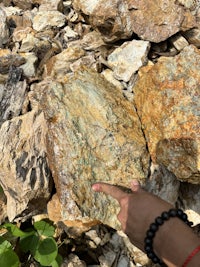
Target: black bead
(165, 215)
(172, 212)
(155, 259)
(148, 248)
(148, 241)
(153, 227)
(179, 213)
(150, 234)
(159, 221)
(151, 255)
(184, 217)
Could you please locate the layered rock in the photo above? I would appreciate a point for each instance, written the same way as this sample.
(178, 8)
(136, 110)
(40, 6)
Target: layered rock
(24, 173)
(94, 135)
(167, 101)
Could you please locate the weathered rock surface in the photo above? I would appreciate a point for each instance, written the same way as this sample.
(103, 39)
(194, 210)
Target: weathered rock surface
(167, 101)
(4, 31)
(151, 20)
(47, 19)
(94, 134)
(23, 162)
(128, 58)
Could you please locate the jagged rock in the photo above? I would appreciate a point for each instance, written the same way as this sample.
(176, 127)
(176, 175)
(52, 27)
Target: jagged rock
(73, 261)
(150, 20)
(23, 4)
(12, 95)
(128, 58)
(29, 68)
(167, 101)
(59, 65)
(24, 173)
(193, 37)
(51, 5)
(9, 59)
(44, 20)
(94, 135)
(4, 31)
(178, 41)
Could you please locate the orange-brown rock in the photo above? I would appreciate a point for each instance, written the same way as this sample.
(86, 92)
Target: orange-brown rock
(167, 101)
(94, 135)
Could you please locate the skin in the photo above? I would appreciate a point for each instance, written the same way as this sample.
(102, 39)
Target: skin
(174, 240)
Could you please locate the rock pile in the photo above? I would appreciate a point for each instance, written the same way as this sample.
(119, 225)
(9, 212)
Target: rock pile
(94, 91)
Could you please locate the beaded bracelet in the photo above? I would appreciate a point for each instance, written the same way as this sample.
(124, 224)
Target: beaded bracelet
(148, 242)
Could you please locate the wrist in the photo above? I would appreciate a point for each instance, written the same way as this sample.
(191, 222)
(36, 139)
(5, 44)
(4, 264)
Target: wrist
(174, 241)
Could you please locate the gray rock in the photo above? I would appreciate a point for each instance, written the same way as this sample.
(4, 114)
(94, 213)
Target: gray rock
(4, 32)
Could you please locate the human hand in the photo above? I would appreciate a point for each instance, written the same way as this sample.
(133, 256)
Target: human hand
(138, 209)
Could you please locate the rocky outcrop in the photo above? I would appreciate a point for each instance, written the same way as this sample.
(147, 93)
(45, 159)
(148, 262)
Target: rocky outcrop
(167, 101)
(94, 134)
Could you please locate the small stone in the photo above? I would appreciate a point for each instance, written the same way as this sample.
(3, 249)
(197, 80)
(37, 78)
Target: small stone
(69, 34)
(179, 42)
(56, 5)
(8, 59)
(20, 33)
(4, 31)
(107, 259)
(73, 261)
(47, 19)
(128, 58)
(29, 67)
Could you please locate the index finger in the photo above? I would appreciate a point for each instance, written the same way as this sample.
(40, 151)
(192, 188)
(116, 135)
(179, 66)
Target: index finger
(111, 190)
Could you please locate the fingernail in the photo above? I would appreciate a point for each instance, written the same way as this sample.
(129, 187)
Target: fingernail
(134, 182)
(96, 187)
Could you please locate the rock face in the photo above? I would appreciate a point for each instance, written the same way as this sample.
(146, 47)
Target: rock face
(167, 101)
(23, 162)
(4, 32)
(151, 20)
(94, 134)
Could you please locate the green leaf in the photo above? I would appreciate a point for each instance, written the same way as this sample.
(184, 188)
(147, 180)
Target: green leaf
(15, 231)
(44, 228)
(4, 245)
(46, 252)
(29, 243)
(9, 258)
(57, 262)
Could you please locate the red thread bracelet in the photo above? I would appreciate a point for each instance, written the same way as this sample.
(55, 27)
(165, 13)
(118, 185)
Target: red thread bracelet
(192, 254)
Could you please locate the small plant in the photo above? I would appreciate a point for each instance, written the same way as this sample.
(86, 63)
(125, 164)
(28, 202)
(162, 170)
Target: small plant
(37, 242)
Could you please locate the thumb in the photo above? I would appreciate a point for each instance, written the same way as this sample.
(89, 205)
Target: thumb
(135, 186)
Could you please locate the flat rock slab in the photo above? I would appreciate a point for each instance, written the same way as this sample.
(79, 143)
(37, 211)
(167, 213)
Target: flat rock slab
(94, 135)
(168, 103)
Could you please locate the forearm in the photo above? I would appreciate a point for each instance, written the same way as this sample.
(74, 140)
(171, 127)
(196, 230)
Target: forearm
(174, 242)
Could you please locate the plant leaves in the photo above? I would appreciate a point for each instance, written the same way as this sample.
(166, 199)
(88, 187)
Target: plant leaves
(9, 258)
(44, 228)
(57, 262)
(46, 251)
(15, 231)
(4, 245)
(29, 243)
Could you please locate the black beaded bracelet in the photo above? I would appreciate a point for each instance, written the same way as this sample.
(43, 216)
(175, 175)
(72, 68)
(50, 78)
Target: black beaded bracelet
(148, 242)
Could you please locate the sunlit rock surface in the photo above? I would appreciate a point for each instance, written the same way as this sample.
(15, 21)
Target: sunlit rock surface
(24, 174)
(154, 21)
(94, 135)
(167, 101)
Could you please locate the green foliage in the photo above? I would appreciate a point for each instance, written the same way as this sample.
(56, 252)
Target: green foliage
(37, 242)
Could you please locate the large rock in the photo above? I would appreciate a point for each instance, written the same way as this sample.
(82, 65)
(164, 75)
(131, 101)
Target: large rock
(24, 173)
(154, 21)
(167, 101)
(94, 135)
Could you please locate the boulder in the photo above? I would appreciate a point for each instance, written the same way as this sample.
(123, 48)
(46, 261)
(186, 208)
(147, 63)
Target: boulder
(94, 135)
(167, 101)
